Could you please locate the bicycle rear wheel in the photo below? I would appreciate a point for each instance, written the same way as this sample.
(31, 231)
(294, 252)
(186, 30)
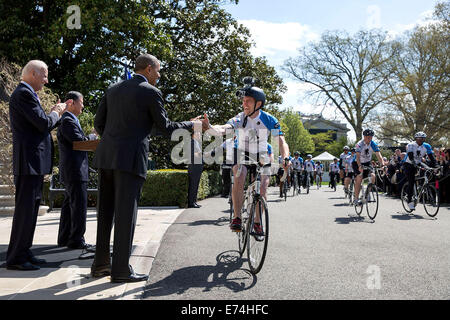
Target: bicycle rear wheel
(431, 200)
(372, 201)
(257, 243)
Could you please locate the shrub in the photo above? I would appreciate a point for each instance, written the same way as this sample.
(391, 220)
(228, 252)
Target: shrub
(163, 188)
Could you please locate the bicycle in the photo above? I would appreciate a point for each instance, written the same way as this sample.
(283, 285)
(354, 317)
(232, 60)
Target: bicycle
(295, 183)
(425, 193)
(286, 186)
(349, 193)
(318, 183)
(368, 196)
(308, 182)
(254, 204)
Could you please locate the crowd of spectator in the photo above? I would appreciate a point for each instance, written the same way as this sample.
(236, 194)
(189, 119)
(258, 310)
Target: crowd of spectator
(392, 179)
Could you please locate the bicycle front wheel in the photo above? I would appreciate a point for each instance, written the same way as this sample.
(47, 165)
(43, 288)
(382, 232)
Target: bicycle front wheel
(372, 201)
(242, 235)
(404, 197)
(431, 200)
(257, 241)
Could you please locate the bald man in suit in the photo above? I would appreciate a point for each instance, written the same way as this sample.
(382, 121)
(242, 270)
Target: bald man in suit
(32, 159)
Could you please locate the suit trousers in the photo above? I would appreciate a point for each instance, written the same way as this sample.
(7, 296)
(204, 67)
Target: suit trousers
(118, 199)
(27, 201)
(194, 175)
(72, 223)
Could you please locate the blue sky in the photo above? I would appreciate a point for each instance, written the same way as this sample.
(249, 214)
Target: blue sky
(280, 27)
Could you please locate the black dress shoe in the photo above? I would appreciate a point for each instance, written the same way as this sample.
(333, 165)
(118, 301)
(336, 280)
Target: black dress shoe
(193, 205)
(134, 277)
(101, 272)
(34, 260)
(23, 267)
(82, 245)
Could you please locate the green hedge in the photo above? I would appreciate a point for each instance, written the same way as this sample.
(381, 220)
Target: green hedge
(163, 188)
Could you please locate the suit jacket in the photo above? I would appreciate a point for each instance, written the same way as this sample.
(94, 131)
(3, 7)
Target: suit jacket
(73, 164)
(32, 143)
(125, 118)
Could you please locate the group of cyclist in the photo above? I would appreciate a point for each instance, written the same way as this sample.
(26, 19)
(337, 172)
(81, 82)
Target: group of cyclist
(357, 163)
(251, 127)
(302, 170)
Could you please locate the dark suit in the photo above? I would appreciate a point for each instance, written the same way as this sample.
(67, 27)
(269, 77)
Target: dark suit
(125, 117)
(32, 159)
(74, 174)
(195, 168)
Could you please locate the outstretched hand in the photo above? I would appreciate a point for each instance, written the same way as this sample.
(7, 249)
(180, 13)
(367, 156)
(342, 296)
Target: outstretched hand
(205, 122)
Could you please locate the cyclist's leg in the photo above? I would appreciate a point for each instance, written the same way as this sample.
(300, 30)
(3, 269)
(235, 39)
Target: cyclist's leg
(264, 184)
(410, 173)
(238, 190)
(358, 180)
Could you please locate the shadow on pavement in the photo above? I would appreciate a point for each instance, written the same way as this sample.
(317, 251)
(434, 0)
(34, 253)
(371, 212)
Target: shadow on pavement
(218, 222)
(345, 204)
(405, 216)
(228, 273)
(348, 220)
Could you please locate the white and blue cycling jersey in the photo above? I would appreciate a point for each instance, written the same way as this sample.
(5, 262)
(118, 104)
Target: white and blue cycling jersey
(342, 158)
(348, 162)
(297, 163)
(418, 151)
(308, 165)
(334, 167)
(318, 168)
(366, 150)
(254, 137)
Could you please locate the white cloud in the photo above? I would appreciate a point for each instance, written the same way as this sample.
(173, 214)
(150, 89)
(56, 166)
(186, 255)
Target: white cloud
(278, 41)
(374, 17)
(425, 18)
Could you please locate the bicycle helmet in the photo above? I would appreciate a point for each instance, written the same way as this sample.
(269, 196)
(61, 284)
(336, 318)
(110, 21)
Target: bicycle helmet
(368, 132)
(249, 90)
(353, 150)
(346, 148)
(309, 156)
(420, 134)
(296, 153)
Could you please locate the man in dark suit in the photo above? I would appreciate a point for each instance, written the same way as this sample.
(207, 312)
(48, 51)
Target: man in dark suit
(74, 174)
(195, 168)
(32, 159)
(125, 118)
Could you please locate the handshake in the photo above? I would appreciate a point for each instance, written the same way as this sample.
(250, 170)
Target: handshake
(199, 121)
(60, 108)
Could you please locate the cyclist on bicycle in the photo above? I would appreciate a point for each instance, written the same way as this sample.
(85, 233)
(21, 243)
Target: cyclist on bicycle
(342, 162)
(415, 152)
(297, 165)
(281, 173)
(364, 149)
(348, 168)
(252, 128)
(334, 171)
(308, 167)
(318, 170)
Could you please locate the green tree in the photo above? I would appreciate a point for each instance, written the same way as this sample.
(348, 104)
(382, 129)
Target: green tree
(335, 148)
(85, 59)
(204, 52)
(297, 137)
(322, 141)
